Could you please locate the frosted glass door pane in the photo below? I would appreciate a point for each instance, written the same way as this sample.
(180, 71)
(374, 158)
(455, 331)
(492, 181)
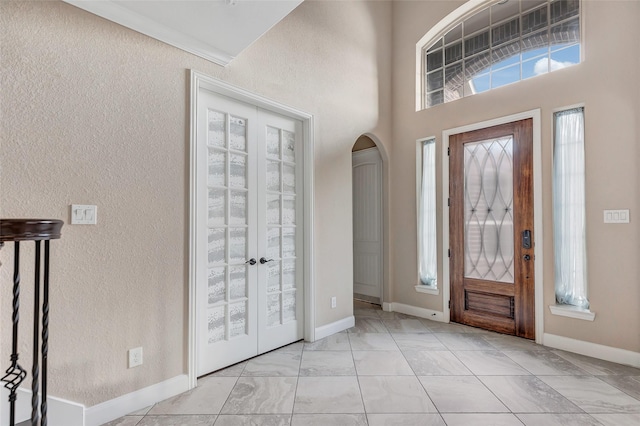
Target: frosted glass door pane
(489, 236)
(273, 243)
(288, 179)
(273, 277)
(237, 171)
(273, 209)
(288, 274)
(217, 243)
(273, 309)
(238, 208)
(217, 127)
(237, 282)
(288, 146)
(288, 306)
(288, 242)
(288, 210)
(217, 285)
(216, 324)
(217, 207)
(217, 168)
(237, 319)
(273, 176)
(237, 245)
(273, 142)
(238, 133)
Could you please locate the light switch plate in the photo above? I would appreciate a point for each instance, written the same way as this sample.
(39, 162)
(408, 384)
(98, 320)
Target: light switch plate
(616, 216)
(82, 214)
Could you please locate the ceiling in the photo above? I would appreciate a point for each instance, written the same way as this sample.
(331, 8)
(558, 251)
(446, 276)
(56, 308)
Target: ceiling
(217, 30)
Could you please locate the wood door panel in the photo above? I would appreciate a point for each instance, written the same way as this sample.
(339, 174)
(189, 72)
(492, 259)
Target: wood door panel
(489, 322)
(493, 304)
(501, 303)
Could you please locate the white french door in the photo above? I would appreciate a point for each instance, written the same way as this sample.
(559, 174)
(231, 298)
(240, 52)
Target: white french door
(248, 231)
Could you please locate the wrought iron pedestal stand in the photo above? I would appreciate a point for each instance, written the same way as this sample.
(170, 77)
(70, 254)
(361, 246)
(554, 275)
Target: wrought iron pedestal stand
(17, 231)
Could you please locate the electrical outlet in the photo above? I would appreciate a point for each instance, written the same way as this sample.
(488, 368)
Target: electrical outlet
(135, 357)
(333, 302)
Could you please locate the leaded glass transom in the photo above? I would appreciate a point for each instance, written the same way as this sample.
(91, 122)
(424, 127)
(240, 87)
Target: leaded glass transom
(488, 206)
(506, 42)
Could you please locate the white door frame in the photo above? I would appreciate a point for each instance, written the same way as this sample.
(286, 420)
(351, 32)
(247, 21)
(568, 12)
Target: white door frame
(537, 210)
(201, 81)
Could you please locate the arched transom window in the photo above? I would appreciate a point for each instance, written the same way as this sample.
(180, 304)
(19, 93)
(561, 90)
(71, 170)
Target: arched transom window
(502, 43)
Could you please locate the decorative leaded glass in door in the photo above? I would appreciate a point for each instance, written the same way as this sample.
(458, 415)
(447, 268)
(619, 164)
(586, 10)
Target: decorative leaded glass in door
(488, 207)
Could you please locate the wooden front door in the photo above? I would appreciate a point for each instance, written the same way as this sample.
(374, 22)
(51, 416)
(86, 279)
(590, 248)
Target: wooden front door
(491, 228)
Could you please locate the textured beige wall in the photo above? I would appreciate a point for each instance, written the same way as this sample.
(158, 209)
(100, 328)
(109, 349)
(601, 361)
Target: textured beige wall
(606, 82)
(94, 113)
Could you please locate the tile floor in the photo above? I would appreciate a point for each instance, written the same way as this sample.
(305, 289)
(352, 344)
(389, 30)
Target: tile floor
(394, 369)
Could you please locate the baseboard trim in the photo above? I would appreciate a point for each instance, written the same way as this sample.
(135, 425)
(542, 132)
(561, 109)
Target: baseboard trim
(607, 353)
(414, 310)
(335, 327)
(60, 412)
(134, 401)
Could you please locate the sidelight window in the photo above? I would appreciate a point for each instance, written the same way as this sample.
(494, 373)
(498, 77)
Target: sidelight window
(569, 222)
(427, 237)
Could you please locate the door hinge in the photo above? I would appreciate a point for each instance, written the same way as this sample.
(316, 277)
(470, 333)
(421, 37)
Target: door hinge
(449, 252)
(449, 304)
(448, 150)
(448, 202)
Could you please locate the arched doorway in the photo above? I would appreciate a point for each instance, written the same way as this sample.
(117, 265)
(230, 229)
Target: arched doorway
(368, 218)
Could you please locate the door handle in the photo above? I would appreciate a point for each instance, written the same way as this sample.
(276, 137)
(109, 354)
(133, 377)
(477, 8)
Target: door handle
(251, 261)
(526, 239)
(526, 257)
(264, 260)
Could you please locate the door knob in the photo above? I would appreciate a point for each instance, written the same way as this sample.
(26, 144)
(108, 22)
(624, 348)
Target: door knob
(526, 257)
(264, 260)
(251, 261)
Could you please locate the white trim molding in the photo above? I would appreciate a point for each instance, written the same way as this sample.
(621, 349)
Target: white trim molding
(115, 408)
(572, 312)
(200, 81)
(427, 290)
(335, 327)
(415, 311)
(594, 350)
(60, 412)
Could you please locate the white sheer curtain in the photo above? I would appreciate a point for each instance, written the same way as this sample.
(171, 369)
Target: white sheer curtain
(569, 209)
(428, 262)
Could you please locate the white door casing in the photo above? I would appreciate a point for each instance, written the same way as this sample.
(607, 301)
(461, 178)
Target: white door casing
(367, 223)
(293, 227)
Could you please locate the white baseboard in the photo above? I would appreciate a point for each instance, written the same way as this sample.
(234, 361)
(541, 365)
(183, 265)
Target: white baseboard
(134, 401)
(607, 353)
(335, 327)
(67, 413)
(60, 412)
(414, 310)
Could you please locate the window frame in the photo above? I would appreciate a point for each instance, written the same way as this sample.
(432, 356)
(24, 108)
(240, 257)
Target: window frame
(493, 67)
